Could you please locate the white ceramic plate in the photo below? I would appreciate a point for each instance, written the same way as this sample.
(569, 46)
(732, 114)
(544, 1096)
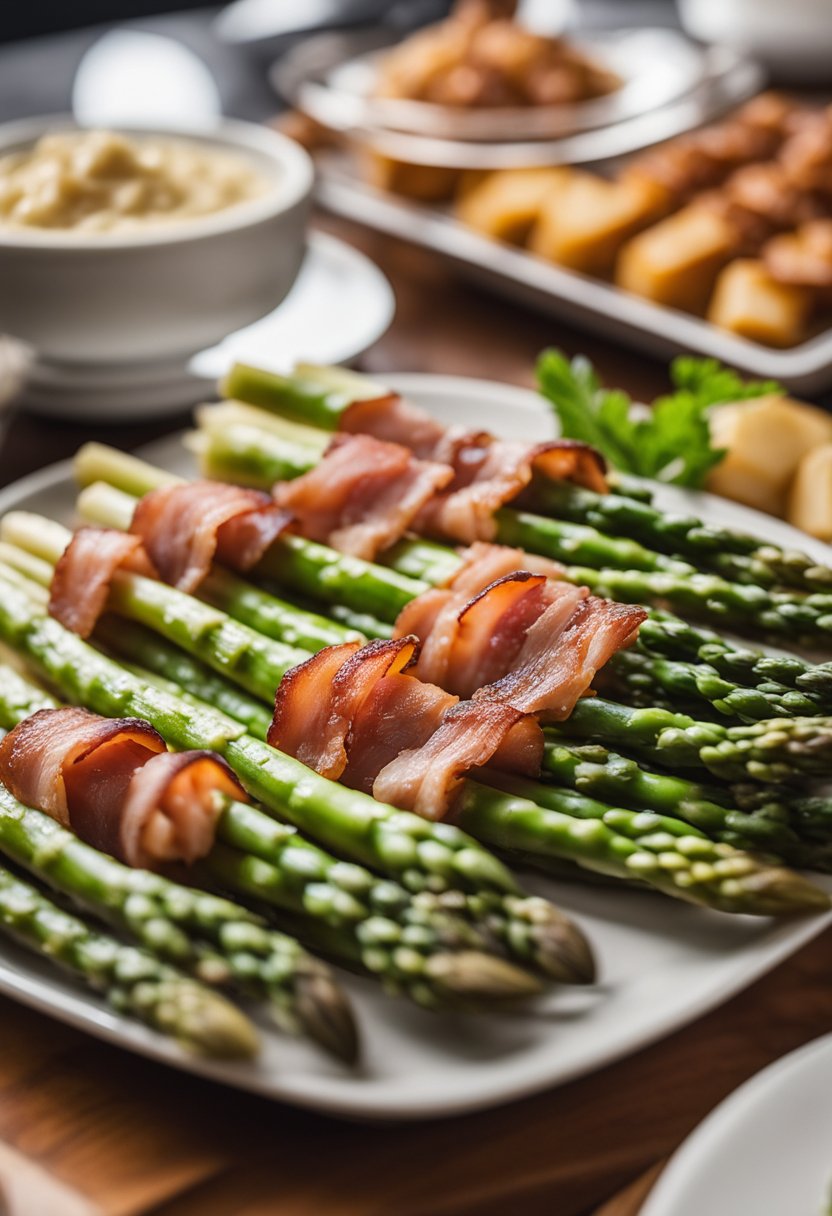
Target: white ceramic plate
(767, 1149)
(662, 963)
(340, 305)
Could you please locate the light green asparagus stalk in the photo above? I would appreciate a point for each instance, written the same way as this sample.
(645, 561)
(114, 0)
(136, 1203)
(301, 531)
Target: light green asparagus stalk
(134, 981)
(661, 852)
(650, 577)
(774, 752)
(423, 563)
(778, 682)
(317, 397)
(424, 855)
(735, 555)
(792, 828)
(219, 941)
(654, 679)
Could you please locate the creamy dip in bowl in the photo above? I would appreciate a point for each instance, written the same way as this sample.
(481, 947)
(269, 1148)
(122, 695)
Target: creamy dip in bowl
(110, 181)
(139, 247)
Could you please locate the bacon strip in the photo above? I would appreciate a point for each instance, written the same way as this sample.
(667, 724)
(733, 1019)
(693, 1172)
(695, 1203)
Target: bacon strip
(84, 571)
(363, 496)
(354, 713)
(559, 659)
(425, 779)
(525, 640)
(488, 472)
(114, 783)
(488, 476)
(185, 527)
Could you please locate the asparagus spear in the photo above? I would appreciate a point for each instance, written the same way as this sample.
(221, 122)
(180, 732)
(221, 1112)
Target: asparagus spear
(134, 981)
(425, 855)
(667, 854)
(218, 940)
(773, 750)
(698, 684)
(317, 397)
(782, 825)
(777, 751)
(663, 635)
(733, 554)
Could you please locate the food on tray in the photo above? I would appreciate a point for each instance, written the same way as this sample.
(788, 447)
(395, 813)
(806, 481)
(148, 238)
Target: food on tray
(583, 219)
(732, 222)
(426, 706)
(429, 183)
(676, 262)
(480, 56)
(506, 204)
(749, 302)
(102, 181)
(802, 258)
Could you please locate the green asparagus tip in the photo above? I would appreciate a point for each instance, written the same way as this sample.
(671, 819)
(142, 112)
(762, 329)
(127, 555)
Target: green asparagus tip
(782, 892)
(325, 1014)
(471, 976)
(208, 1025)
(563, 952)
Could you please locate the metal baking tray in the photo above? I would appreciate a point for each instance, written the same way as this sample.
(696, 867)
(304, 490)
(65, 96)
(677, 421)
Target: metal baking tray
(592, 303)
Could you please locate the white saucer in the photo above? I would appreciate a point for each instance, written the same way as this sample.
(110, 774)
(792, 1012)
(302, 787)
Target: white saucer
(340, 304)
(764, 1150)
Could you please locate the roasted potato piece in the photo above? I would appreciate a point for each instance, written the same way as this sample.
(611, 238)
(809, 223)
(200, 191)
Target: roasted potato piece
(428, 183)
(584, 222)
(810, 498)
(766, 439)
(505, 204)
(749, 302)
(802, 258)
(676, 261)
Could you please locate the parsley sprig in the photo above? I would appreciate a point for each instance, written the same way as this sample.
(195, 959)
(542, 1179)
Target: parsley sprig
(670, 441)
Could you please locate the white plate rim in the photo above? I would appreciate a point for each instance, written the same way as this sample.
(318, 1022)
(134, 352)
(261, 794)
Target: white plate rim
(91, 1015)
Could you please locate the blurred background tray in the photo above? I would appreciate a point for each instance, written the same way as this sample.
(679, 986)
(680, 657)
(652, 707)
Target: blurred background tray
(592, 303)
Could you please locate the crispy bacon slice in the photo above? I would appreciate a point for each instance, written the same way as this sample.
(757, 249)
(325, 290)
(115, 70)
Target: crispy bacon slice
(425, 779)
(525, 640)
(560, 657)
(316, 702)
(185, 527)
(488, 476)
(394, 420)
(353, 712)
(488, 472)
(114, 783)
(363, 496)
(482, 564)
(83, 574)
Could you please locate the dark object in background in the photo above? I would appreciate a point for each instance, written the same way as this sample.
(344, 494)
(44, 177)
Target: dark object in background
(27, 20)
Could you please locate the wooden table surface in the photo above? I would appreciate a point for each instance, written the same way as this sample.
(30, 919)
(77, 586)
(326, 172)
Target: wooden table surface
(85, 1128)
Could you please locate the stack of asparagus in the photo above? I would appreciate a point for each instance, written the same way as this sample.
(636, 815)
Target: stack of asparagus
(550, 824)
(713, 808)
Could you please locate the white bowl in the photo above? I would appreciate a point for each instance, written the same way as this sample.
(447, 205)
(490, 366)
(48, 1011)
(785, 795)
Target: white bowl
(160, 295)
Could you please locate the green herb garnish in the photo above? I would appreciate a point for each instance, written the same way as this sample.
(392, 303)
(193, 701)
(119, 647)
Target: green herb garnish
(670, 441)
